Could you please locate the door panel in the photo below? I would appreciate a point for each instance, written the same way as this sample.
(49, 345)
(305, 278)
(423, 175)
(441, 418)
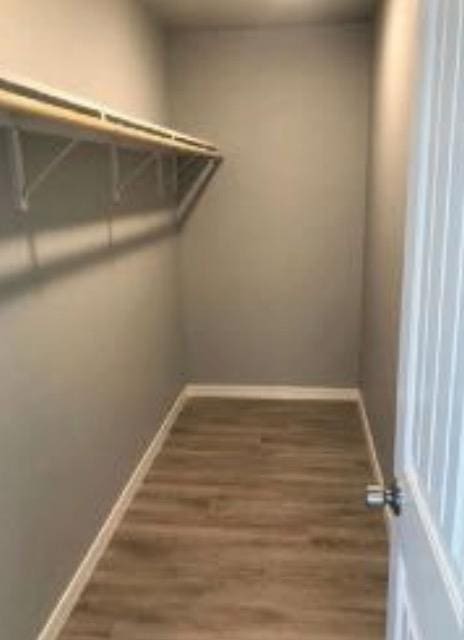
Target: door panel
(427, 563)
(438, 407)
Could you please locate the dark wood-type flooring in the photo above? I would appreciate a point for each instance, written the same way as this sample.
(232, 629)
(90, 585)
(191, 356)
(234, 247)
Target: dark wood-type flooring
(250, 526)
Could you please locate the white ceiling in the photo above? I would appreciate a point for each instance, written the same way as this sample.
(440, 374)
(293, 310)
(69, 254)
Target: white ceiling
(242, 13)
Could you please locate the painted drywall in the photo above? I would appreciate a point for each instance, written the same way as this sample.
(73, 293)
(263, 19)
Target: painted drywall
(90, 348)
(249, 13)
(272, 257)
(394, 83)
(91, 49)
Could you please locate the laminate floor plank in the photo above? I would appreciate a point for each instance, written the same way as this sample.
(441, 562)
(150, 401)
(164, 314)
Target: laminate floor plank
(250, 525)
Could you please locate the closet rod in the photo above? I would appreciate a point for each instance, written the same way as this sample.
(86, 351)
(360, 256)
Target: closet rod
(107, 124)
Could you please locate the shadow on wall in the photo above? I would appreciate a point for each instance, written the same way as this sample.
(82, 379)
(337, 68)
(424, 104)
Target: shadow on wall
(73, 223)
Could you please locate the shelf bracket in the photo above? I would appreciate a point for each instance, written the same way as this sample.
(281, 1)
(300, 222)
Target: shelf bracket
(18, 174)
(22, 190)
(196, 190)
(118, 185)
(174, 178)
(161, 178)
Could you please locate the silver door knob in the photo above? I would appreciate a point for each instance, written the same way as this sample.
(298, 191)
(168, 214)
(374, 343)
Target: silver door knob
(378, 497)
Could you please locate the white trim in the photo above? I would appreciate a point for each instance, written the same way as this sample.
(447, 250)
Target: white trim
(373, 456)
(71, 595)
(273, 392)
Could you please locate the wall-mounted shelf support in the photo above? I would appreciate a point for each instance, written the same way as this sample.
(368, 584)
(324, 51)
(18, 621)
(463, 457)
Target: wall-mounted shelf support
(189, 199)
(17, 169)
(161, 176)
(119, 185)
(174, 178)
(22, 190)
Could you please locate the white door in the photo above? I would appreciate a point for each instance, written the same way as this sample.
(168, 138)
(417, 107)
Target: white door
(427, 556)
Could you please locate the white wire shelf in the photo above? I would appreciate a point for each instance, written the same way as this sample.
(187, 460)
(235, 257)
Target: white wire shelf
(28, 107)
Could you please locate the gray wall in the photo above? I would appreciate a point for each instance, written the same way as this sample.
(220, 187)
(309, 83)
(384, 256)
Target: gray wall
(90, 350)
(272, 257)
(394, 66)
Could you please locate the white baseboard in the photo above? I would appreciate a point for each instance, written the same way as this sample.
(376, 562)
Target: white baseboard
(80, 579)
(374, 459)
(373, 456)
(272, 392)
